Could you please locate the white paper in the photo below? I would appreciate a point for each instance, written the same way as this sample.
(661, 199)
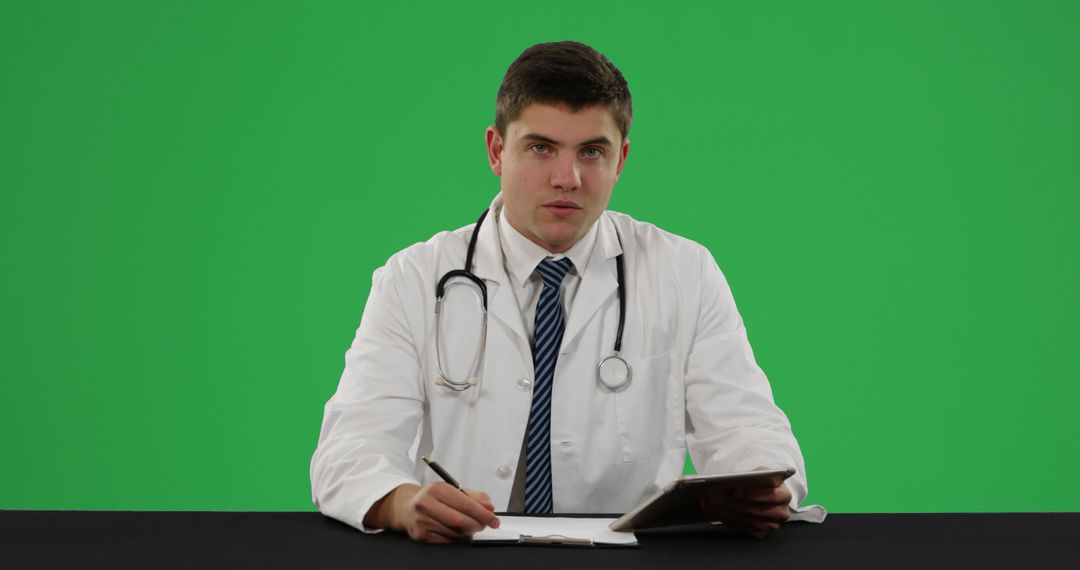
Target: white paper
(594, 529)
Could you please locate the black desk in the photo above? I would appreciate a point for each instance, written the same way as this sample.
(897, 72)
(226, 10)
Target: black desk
(117, 540)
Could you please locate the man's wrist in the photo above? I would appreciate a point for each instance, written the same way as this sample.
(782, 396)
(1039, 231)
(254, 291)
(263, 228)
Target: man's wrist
(385, 513)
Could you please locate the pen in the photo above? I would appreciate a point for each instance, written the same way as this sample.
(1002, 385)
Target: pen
(442, 473)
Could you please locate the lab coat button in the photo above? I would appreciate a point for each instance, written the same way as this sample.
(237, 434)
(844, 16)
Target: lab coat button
(503, 472)
(524, 384)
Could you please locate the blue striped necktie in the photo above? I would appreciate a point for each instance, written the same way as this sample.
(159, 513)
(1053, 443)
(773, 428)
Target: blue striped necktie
(547, 337)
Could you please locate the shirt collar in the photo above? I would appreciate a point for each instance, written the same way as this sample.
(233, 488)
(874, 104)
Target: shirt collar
(521, 255)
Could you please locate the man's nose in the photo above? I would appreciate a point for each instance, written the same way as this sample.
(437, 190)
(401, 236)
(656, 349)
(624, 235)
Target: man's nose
(566, 173)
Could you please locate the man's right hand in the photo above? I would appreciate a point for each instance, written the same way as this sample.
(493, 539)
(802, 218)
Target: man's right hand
(437, 512)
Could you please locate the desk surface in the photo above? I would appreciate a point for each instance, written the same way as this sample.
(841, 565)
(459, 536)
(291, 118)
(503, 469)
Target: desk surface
(117, 540)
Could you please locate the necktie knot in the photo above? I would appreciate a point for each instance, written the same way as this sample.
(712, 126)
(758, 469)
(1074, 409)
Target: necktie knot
(553, 272)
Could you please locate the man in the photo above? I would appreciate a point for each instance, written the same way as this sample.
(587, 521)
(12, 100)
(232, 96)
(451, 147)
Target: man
(518, 405)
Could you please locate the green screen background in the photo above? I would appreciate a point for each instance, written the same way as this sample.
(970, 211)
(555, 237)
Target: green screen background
(194, 196)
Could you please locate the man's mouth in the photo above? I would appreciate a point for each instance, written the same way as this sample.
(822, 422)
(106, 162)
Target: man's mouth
(562, 206)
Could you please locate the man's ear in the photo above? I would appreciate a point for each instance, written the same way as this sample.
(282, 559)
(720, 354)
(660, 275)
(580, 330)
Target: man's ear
(623, 151)
(494, 149)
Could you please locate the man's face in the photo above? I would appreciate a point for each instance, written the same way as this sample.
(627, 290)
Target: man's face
(557, 169)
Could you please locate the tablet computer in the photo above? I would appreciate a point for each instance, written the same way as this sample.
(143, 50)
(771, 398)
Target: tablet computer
(680, 501)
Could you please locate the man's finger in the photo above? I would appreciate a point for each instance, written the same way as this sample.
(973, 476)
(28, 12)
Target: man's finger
(771, 495)
(468, 506)
(430, 538)
(778, 493)
(434, 507)
(482, 497)
(434, 527)
(430, 531)
(764, 511)
(478, 495)
(751, 512)
(771, 511)
(741, 522)
(764, 530)
(456, 523)
(747, 525)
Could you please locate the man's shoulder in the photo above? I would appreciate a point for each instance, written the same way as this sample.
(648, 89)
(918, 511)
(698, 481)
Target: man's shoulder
(649, 236)
(420, 256)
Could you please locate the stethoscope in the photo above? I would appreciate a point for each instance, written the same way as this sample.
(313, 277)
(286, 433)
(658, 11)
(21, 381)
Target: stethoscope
(612, 372)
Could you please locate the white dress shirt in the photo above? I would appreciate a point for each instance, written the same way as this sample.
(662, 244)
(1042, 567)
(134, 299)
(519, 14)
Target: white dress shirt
(520, 258)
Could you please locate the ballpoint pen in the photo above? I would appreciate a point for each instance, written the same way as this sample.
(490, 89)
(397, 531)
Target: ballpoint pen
(438, 469)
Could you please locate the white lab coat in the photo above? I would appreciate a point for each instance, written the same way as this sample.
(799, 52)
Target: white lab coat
(695, 383)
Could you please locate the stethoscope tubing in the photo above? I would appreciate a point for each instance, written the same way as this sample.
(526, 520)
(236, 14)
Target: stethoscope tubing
(481, 291)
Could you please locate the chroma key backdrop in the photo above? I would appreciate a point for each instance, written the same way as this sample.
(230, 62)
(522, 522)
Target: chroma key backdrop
(193, 197)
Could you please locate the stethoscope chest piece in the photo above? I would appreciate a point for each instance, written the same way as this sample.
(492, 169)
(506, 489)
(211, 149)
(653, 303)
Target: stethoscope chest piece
(614, 373)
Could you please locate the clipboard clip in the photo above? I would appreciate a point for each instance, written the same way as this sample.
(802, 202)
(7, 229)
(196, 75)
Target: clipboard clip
(553, 539)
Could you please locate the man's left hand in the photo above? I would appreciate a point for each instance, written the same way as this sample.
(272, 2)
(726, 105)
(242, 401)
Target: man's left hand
(751, 511)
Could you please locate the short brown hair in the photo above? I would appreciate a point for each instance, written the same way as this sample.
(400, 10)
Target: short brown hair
(563, 73)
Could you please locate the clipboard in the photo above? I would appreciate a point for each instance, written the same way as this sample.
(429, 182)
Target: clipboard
(556, 540)
(555, 531)
(679, 502)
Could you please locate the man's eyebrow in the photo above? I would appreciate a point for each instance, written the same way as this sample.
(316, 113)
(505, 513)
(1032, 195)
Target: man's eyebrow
(601, 140)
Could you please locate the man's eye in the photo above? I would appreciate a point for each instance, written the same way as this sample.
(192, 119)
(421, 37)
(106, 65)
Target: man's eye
(593, 152)
(539, 148)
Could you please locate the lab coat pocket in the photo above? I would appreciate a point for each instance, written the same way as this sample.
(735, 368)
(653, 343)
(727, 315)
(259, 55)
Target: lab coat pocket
(650, 416)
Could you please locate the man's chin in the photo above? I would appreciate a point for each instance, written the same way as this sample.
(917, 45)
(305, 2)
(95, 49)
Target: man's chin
(559, 241)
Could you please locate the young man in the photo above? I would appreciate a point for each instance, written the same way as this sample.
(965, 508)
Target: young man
(608, 347)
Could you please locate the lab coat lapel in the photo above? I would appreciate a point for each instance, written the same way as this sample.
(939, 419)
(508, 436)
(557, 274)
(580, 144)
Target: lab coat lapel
(489, 266)
(598, 282)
